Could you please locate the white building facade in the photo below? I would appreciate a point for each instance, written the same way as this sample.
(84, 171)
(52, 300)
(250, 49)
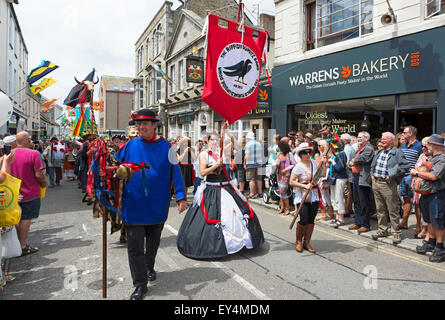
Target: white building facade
(359, 65)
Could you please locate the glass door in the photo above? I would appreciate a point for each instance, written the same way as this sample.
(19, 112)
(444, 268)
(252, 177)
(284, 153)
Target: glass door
(418, 110)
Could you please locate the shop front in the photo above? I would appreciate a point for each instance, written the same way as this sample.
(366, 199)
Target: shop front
(376, 88)
(258, 120)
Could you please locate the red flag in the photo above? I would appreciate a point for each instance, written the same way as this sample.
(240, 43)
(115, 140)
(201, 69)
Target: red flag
(233, 69)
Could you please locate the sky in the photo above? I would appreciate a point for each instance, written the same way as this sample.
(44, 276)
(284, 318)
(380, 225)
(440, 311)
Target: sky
(82, 34)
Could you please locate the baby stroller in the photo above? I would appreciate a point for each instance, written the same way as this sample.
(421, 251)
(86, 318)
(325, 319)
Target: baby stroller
(271, 190)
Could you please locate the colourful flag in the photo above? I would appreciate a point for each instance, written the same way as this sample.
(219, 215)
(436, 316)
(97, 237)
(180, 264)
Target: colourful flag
(98, 106)
(82, 116)
(50, 108)
(161, 73)
(48, 103)
(41, 71)
(45, 83)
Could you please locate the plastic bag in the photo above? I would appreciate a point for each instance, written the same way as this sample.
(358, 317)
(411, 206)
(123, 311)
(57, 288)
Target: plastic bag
(11, 247)
(10, 212)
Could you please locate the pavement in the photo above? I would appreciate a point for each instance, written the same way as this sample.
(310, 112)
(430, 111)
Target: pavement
(408, 240)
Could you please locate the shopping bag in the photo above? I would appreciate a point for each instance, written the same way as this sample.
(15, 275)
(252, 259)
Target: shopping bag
(11, 245)
(10, 212)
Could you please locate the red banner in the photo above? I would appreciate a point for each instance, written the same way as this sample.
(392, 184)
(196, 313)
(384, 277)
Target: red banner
(233, 69)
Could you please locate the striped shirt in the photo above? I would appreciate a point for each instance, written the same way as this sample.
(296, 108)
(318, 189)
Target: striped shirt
(412, 153)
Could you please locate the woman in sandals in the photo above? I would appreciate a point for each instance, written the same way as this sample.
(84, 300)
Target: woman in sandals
(300, 179)
(285, 164)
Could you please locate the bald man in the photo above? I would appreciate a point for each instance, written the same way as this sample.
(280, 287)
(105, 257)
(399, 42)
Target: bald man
(28, 167)
(388, 168)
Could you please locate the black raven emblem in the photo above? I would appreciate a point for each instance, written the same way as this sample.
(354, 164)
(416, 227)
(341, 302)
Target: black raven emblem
(239, 70)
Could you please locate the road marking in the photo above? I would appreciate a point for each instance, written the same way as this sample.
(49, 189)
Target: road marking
(236, 277)
(382, 249)
(167, 260)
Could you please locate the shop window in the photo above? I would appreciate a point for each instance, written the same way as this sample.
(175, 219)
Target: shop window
(374, 115)
(418, 99)
(434, 7)
(332, 21)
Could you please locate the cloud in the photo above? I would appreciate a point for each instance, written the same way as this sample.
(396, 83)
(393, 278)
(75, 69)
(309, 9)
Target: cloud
(80, 35)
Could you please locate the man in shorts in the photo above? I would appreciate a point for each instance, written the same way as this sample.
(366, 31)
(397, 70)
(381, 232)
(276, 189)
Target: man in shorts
(28, 167)
(254, 161)
(412, 150)
(433, 205)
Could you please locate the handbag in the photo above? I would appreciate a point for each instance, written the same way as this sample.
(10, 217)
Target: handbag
(10, 212)
(356, 167)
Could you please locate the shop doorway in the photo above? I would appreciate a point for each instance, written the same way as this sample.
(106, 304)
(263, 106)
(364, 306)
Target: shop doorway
(424, 119)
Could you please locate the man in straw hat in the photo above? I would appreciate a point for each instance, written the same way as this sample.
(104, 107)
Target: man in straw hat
(434, 203)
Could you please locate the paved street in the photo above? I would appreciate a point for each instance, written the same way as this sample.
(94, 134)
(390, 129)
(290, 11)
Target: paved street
(346, 266)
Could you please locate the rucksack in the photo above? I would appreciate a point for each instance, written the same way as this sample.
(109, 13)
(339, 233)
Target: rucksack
(420, 185)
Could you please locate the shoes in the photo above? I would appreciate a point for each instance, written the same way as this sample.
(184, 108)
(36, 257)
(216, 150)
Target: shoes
(338, 223)
(354, 227)
(151, 275)
(438, 255)
(139, 293)
(426, 247)
(379, 234)
(397, 238)
(363, 229)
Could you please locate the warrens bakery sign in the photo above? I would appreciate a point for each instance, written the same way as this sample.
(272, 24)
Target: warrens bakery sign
(367, 68)
(405, 64)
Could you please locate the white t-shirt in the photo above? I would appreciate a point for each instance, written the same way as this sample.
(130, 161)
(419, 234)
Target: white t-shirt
(303, 174)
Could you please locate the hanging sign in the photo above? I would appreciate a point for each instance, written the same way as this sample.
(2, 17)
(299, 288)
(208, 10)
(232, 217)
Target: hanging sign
(233, 69)
(195, 69)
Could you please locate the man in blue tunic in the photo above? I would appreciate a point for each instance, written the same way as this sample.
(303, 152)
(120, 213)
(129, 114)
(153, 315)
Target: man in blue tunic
(146, 199)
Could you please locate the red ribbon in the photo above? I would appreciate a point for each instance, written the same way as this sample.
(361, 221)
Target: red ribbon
(135, 117)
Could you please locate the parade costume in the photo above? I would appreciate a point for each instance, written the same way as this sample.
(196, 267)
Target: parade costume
(146, 200)
(220, 221)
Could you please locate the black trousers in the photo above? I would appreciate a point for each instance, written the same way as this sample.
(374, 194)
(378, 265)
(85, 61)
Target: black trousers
(142, 254)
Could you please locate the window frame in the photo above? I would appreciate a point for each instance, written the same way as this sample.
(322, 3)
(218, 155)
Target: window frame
(158, 85)
(438, 11)
(316, 40)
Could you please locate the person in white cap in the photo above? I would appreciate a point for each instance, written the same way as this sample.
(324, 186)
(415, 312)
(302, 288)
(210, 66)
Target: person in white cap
(10, 144)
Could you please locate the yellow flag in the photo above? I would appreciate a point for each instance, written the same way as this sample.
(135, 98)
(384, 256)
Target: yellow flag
(45, 83)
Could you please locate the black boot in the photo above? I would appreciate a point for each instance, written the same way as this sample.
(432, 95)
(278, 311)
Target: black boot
(139, 293)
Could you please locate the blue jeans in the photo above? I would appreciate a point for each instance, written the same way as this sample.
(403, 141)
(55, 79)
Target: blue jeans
(54, 175)
(362, 199)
